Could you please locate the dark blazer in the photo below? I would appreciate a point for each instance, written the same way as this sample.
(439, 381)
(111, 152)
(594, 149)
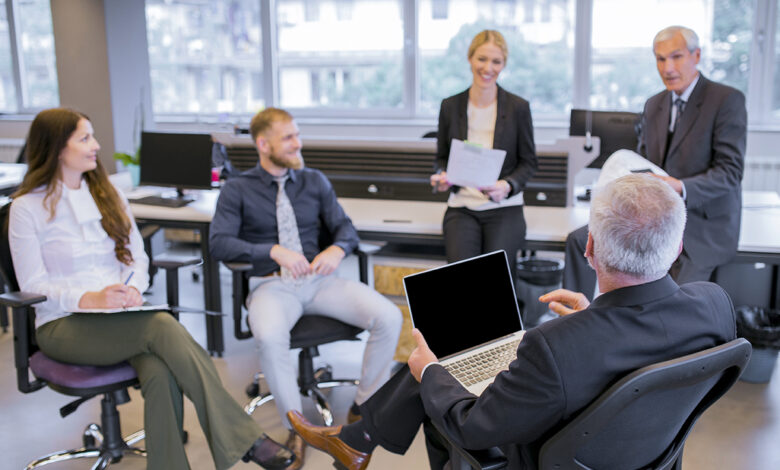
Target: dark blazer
(707, 153)
(564, 364)
(514, 133)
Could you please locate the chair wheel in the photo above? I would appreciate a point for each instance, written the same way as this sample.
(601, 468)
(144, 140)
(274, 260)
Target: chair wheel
(253, 390)
(89, 441)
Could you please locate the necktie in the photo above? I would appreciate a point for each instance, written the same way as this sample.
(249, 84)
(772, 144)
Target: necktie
(286, 225)
(680, 106)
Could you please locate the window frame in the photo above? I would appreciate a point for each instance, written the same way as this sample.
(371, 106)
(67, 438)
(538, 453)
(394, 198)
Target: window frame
(759, 92)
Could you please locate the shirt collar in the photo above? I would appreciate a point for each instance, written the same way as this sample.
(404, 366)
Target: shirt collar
(686, 95)
(268, 178)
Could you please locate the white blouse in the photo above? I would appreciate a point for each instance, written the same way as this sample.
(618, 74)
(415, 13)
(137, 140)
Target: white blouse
(70, 254)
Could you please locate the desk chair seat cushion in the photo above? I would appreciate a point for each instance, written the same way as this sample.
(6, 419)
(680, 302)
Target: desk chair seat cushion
(314, 330)
(75, 377)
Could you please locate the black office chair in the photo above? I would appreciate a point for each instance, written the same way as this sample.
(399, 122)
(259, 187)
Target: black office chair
(641, 421)
(103, 441)
(308, 333)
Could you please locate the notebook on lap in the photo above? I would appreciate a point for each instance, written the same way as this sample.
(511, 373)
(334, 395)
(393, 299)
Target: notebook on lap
(467, 312)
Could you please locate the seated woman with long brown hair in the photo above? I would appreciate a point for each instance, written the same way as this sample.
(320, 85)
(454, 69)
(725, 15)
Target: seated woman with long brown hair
(73, 239)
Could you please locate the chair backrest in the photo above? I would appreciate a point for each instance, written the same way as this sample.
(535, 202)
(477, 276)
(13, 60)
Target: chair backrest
(6, 263)
(25, 344)
(642, 421)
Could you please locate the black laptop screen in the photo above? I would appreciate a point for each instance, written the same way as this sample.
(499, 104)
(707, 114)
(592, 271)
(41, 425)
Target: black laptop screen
(464, 304)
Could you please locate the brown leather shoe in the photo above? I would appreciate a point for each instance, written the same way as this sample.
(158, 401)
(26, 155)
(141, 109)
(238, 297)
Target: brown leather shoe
(325, 438)
(298, 447)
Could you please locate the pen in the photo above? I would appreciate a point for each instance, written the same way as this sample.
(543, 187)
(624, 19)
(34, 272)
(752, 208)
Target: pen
(129, 277)
(436, 186)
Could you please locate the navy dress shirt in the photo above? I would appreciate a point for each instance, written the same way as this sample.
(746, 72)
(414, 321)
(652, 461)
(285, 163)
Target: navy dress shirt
(244, 225)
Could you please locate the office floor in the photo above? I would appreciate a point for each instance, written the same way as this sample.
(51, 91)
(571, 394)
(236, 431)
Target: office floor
(742, 431)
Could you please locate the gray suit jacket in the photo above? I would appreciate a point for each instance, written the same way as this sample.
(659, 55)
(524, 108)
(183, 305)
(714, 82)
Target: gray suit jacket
(707, 153)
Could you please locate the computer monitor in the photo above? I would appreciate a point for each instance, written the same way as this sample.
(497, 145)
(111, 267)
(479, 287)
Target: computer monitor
(179, 160)
(616, 129)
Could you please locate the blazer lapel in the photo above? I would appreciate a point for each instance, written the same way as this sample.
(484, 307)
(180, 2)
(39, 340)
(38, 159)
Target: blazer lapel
(463, 117)
(688, 117)
(501, 121)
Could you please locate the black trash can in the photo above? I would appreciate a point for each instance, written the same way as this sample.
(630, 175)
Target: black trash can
(760, 326)
(536, 276)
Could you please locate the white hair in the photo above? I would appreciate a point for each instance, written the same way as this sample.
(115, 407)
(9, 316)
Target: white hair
(691, 39)
(637, 223)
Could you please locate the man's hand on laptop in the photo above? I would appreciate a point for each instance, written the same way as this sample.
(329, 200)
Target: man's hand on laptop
(421, 356)
(291, 260)
(564, 301)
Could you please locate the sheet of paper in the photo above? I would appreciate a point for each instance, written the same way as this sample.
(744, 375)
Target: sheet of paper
(473, 166)
(625, 162)
(140, 308)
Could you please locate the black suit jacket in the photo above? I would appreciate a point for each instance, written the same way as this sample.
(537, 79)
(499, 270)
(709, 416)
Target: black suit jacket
(564, 364)
(707, 153)
(514, 133)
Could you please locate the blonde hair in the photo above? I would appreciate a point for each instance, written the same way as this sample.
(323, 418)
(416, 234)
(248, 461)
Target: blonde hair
(263, 120)
(488, 36)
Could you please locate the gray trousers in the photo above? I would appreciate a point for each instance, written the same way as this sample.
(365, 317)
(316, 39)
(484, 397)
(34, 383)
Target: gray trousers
(274, 308)
(168, 362)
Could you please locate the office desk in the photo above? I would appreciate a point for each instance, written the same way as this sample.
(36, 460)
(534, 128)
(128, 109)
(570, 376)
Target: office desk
(196, 215)
(11, 175)
(414, 224)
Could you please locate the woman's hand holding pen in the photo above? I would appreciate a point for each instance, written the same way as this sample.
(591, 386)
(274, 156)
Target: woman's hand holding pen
(113, 296)
(439, 181)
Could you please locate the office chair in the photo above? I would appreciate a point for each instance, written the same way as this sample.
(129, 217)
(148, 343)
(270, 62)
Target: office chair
(308, 333)
(103, 441)
(641, 421)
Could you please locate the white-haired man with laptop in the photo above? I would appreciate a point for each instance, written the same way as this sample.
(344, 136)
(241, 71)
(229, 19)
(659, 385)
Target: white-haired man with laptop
(642, 317)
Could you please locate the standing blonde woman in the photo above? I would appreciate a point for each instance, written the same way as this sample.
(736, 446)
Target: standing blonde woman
(480, 220)
(73, 239)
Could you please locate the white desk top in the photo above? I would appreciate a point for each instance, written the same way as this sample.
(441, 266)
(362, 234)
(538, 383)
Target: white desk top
(760, 217)
(11, 174)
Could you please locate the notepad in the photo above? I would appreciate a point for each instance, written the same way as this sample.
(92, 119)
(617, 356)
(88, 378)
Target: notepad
(139, 308)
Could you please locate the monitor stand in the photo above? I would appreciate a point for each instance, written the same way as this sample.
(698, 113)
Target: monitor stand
(180, 200)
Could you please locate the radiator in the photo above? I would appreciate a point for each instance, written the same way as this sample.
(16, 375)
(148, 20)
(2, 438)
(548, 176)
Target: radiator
(762, 173)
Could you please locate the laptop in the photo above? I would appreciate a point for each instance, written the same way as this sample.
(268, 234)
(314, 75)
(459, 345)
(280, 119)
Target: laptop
(467, 311)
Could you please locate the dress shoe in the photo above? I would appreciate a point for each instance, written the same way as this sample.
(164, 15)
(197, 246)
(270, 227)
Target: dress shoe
(353, 416)
(326, 439)
(269, 454)
(298, 447)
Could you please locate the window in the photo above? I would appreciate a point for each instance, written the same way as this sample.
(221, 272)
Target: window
(205, 57)
(37, 62)
(540, 63)
(355, 58)
(623, 70)
(7, 86)
(28, 71)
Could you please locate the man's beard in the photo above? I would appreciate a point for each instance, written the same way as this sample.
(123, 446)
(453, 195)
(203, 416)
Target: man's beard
(295, 164)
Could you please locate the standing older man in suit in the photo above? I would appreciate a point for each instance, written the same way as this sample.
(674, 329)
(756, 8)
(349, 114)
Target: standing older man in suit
(696, 131)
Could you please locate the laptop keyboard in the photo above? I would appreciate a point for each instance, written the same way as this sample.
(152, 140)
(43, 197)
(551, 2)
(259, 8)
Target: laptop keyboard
(483, 365)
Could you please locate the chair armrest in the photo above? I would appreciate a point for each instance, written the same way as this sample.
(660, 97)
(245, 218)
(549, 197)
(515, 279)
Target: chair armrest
(238, 266)
(174, 263)
(485, 459)
(239, 271)
(363, 251)
(20, 299)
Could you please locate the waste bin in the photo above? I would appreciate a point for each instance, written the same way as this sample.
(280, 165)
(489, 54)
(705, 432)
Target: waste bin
(760, 326)
(536, 276)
